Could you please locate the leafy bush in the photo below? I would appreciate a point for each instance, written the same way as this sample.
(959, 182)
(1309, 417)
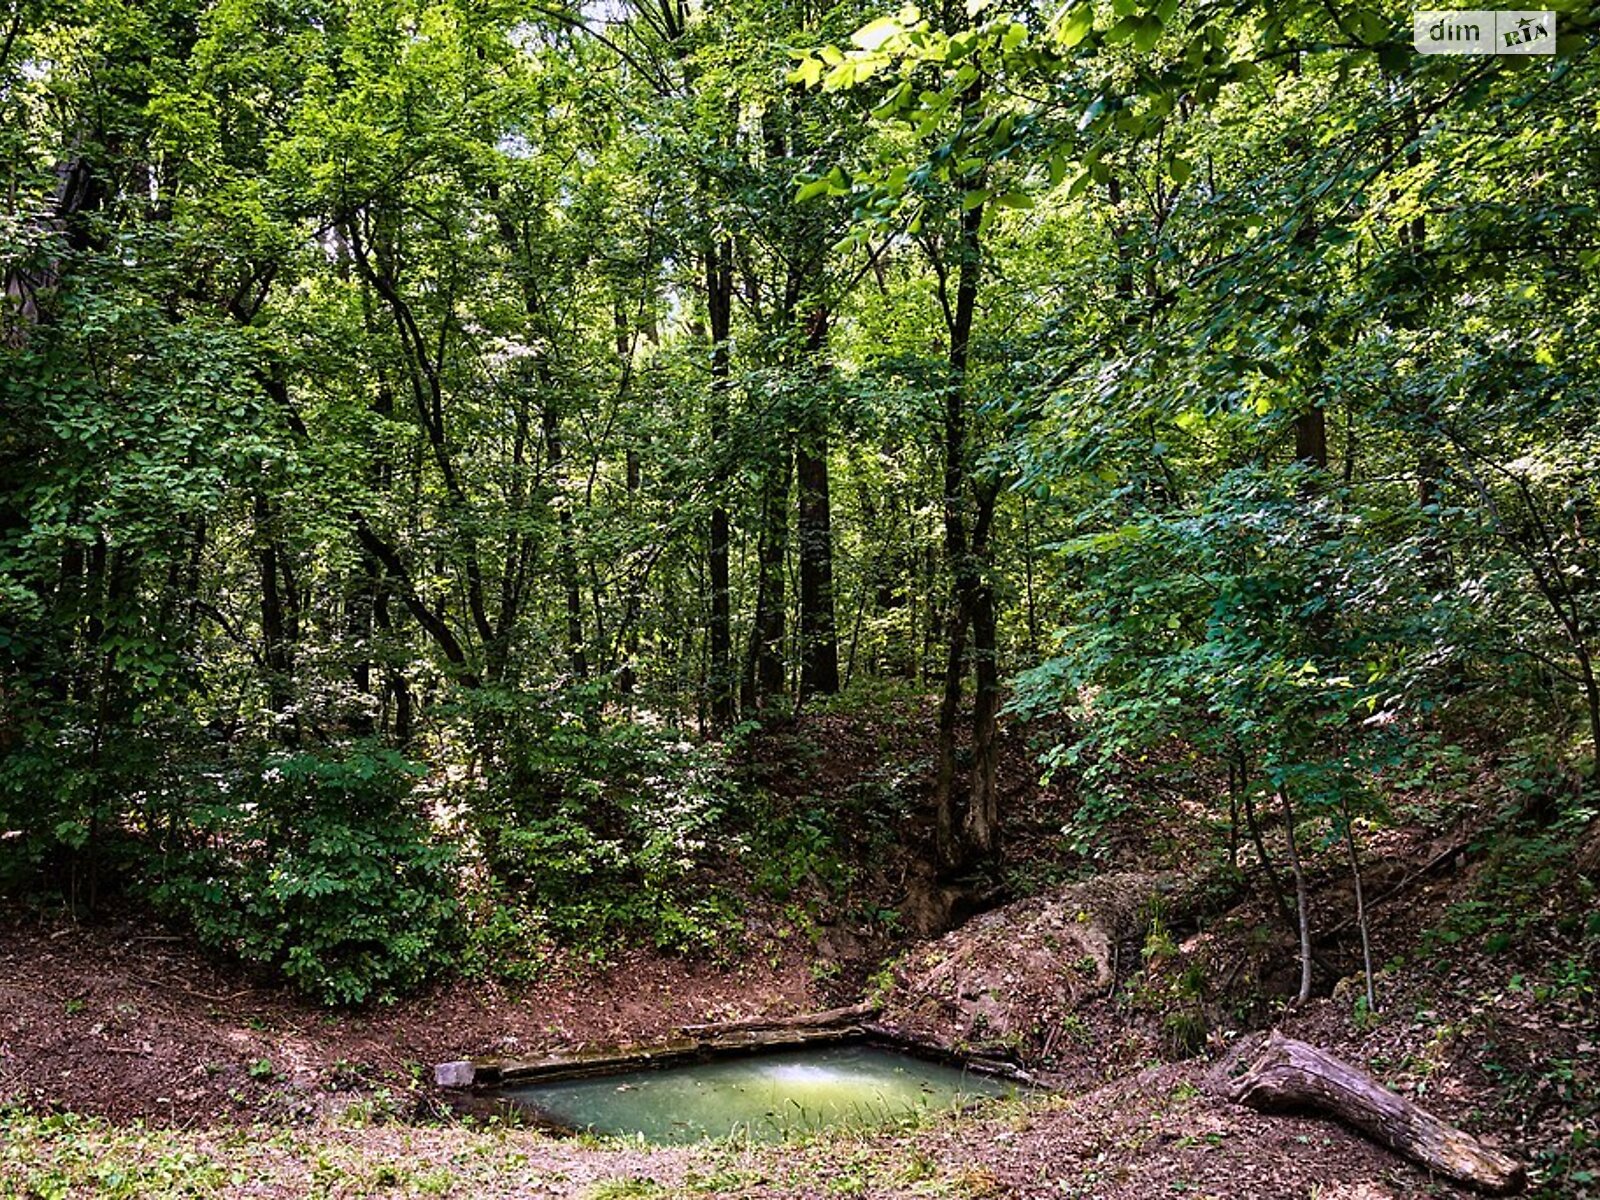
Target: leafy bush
(320, 867)
(75, 802)
(592, 831)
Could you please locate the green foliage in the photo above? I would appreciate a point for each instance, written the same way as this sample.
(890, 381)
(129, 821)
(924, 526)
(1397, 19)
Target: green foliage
(1527, 883)
(84, 802)
(1256, 626)
(321, 867)
(592, 832)
(793, 849)
(416, 371)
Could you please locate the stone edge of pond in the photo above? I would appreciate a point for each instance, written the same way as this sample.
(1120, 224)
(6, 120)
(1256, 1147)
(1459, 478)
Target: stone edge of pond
(691, 1043)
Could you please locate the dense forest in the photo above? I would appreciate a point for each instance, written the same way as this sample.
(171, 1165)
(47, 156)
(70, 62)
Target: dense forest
(443, 443)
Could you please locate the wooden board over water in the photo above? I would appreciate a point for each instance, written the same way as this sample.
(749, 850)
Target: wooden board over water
(765, 1096)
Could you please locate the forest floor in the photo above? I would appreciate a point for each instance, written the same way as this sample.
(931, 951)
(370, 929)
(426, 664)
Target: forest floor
(133, 1065)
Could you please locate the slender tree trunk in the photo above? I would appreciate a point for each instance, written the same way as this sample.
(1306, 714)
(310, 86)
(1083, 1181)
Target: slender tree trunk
(424, 357)
(819, 638)
(866, 592)
(1233, 816)
(628, 676)
(120, 578)
(1258, 840)
(1302, 905)
(965, 573)
(566, 553)
(719, 630)
(276, 651)
(1361, 907)
(396, 686)
(763, 677)
(191, 581)
(1432, 554)
(819, 641)
(362, 599)
(1027, 581)
(95, 589)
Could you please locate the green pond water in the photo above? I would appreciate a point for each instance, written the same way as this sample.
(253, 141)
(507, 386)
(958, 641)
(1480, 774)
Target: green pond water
(765, 1096)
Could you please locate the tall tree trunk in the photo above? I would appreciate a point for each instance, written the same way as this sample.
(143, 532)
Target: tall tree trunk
(1311, 438)
(980, 828)
(1029, 598)
(633, 598)
(1302, 902)
(819, 639)
(628, 675)
(566, 553)
(276, 648)
(424, 357)
(395, 684)
(764, 675)
(1361, 907)
(114, 584)
(719, 632)
(362, 598)
(1414, 238)
(965, 582)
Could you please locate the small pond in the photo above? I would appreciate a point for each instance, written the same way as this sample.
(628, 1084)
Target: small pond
(765, 1096)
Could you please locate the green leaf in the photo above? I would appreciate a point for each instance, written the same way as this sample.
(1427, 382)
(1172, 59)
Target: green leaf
(1374, 26)
(1076, 26)
(840, 78)
(811, 190)
(1122, 30)
(808, 73)
(1093, 113)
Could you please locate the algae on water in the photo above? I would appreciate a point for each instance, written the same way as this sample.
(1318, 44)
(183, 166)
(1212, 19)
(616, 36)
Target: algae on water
(765, 1096)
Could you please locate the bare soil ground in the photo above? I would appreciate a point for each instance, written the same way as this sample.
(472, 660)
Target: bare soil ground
(124, 1020)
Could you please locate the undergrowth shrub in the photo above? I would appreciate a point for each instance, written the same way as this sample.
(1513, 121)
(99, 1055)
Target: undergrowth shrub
(1527, 882)
(594, 832)
(77, 805)
(320, 866)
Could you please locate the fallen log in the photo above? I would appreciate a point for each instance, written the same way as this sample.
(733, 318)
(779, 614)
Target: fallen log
(1283, 1073)
(815, 1020)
